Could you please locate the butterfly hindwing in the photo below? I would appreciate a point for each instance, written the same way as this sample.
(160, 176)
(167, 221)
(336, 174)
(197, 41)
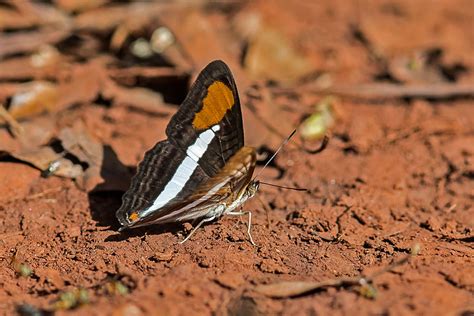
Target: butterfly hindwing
(155, 185)
(222, 188)
(206, 197)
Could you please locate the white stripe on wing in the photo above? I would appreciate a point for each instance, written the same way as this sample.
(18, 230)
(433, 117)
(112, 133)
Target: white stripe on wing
(184, 171)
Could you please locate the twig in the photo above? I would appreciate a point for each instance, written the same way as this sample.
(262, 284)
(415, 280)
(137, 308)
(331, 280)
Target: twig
(26, 42)
(387, 90)
(338, 222)
(14, 126)
(35, 196)
(298, 288)
(120, 73)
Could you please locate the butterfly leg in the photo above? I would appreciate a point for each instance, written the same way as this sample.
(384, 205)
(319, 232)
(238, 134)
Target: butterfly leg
(249, 225)
(205, 220)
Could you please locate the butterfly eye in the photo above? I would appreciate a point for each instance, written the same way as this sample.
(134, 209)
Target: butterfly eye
(133, 217)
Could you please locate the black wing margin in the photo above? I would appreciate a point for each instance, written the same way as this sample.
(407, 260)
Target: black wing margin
(230, 137)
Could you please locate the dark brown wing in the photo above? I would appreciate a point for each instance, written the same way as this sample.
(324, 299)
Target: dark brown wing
(223, 187)
(213, 100)
(202, 136)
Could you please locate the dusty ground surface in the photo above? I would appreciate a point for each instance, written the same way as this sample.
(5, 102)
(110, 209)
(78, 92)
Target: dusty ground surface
(398, 171)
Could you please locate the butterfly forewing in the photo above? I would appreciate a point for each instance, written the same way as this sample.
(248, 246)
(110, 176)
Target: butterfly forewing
(203, 135)
(212, 103)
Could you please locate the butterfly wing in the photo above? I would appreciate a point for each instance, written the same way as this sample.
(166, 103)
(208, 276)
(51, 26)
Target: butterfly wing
(203, 135)
(207, 199)
(212, 103)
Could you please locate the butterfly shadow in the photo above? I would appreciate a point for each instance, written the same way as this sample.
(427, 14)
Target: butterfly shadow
(173, 228)
(106, 198)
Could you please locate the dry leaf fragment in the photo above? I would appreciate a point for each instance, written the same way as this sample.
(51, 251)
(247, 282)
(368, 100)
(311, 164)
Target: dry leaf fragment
(14, 126)
(141, 48)
(161, 39)
(296, 288)
(290, 288)
(42, 157)
(24, 42)
(197, 37)
(34, 98)
(71, 299)
(79, 5)
(35, 133)
(46, 62)
(116, 287)
(269, 54)
(324, 117)
(13, 19)
(139, 98)
(79, 142)
(46, 55)
(134, 15)
(22, 269)
(85, 84)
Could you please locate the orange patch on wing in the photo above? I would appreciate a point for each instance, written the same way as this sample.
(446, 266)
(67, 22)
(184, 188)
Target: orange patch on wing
(218, 100)
(133, 217)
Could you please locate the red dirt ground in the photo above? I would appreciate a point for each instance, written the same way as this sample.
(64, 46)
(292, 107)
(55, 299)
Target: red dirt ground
(397, 172)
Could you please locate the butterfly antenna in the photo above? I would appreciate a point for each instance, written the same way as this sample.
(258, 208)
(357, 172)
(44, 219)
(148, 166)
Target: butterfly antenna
(276, 152)
(283, 187)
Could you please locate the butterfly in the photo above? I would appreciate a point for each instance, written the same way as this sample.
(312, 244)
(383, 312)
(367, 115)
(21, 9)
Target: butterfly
(203, 170)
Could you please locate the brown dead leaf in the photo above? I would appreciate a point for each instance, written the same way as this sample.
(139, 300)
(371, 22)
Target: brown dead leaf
(52, 26)
(33, 98)
(43, 14)
(201, 40)
(13, 19)
(42, 64)
(139, 98)
(34, 134)
(318, 124)
(101, 19)
(170, 49)
(107, 18)
(96, 169)
(49, 277)
(83, 85)
(7, 90)
(14, 126)
(271, 56)
(297, 288)
(131, 73)
(42, 157)
(415, 69)
(25, 42)
(78, 141)
(27, 14)
(287, 288)
(79, 5)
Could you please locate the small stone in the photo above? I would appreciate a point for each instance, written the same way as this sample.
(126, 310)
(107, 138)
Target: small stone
(162, 256)
(187, 227)
(127, 310)
(74, 231)
(229, 280)
(432, 224)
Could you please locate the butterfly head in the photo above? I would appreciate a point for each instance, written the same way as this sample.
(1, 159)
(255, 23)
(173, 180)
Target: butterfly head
(252, 188)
